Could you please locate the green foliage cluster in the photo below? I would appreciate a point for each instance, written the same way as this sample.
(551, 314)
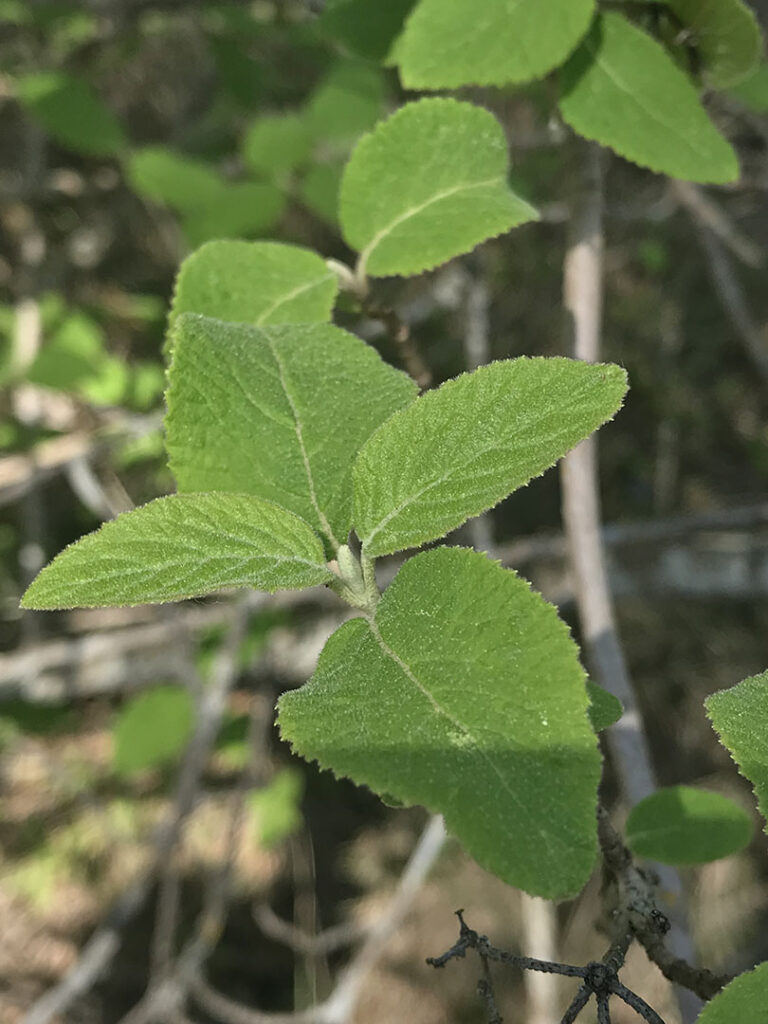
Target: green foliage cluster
(301, 457)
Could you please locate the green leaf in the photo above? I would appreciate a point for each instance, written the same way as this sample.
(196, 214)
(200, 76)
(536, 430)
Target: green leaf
(450, 43)
(427, 185)
(622, 89)
(604, 708)
(468, 698)
(365, 27)
(740, 716)
(152, 729)
(726, 35)
(348, 102)
(462, 448)
(319, 191)
(242, 208)
(182, 546)
(276, 809)
(743, 1001)
(681, 825)
(172, 179)
(255, 282)
(276, 144)
(72, 113)
(753, 91)
(278, 412)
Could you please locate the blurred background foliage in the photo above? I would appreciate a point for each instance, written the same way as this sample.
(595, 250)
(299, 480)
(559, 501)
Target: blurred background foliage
(134, 130)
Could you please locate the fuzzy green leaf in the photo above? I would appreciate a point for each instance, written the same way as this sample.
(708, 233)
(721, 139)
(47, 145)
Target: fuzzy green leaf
(468, 698)
(681, 825)
(278, 412)
(622, 89)
(72, 113)
(152, 729)
(428, 184)
(276, 144)
(604, 708)
(743, 1001)
(459, 450)
(450, 43)
(255, 282)
(726, 36)
(182, 546)
(740, 716)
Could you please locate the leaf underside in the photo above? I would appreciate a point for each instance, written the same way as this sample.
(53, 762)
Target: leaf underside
(726, 35)
(468, 698)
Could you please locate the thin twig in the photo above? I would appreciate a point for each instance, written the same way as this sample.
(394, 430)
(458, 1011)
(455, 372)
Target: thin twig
(288, 934)
(708, 214)
(583, 299)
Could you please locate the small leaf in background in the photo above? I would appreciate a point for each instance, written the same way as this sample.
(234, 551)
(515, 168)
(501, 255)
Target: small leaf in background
(152, 729)
(740, 716)
(276, 809)
(286, 410)
(604, 709)
(173, 179)
(241, 75)
(255, 282)
(682, 825)
(460, 449)
(743, 1001)
(726, 36)
(182, 546)
(319, 191)
(468, 698)
(450, 43)
(622, 89)
(366, 28)
(428, 184)
(72, 113)
(276, 144)
(240, 209)
(753, 91)
(348, 102)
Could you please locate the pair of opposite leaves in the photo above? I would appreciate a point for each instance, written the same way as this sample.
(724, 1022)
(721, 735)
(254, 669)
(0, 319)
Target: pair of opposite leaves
(464, 692)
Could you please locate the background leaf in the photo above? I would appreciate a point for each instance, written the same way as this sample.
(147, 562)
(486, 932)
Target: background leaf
(740, 716)
(462, 448)
(172, 179)
(604, 709)
(753, 91)
(71, 112)
(427, 185)
(285, 411)
(726, 36)
(182, 546)
(276, 144)
(276, 808)
(347, 102)
(741, 1002)
(241, 208)
(683, 825)
(152, 729)
(469, 698)
(365, 27)
(255, 282)
(450, 43)
(622, 89)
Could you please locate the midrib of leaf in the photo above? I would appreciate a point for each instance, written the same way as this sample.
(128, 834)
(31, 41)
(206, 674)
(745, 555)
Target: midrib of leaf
(407, 214)
(457, 724)
(650, 111)
(299, 290)
(302, 447)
